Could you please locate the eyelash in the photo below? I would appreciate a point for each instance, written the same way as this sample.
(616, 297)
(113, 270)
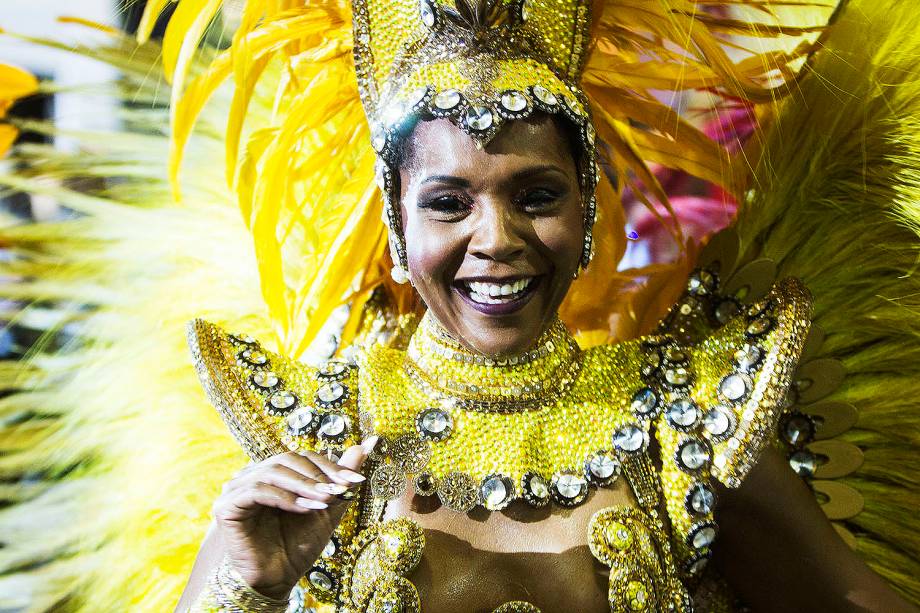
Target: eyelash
(535, 200)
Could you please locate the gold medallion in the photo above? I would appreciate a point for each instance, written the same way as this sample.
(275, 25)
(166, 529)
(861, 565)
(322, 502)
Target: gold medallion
(410, 453)
(458, 492)
(388, 482)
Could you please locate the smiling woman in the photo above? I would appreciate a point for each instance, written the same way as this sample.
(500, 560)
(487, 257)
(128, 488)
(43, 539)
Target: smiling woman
(493, 235)
(504, 422)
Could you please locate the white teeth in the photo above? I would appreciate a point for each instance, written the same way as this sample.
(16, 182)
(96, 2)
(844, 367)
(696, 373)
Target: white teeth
(496, 293)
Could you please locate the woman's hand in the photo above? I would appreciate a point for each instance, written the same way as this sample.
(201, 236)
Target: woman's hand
(274, 518)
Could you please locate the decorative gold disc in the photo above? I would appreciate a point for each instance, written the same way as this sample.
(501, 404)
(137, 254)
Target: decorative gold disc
(410, 453)
(388, 482)
(458, 492)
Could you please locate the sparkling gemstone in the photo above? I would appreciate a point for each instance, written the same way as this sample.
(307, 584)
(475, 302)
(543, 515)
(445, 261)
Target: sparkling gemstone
(378, 139)
(255, 357)
(602, 466)
(798, 429)
(332, 425)
(282, 399)
(637, 596)
(243, 338)
(570, 486)
(804, 463)
(265, 379)
(693, 455)
(697, 564)
(629, 438)
(435, 423)
(760, 326)
(653, 359)
(591, 135)
(734, 387)
(717, 422)
(536, 489)
(701, 499)
(332, 369)
(525, 10)
(617, 536)
(748, 356)
(425, 484)
(321, 579)
(427, 13)
(300, 420)
(380, 178)
(683, 413)
(495, 492)
(703, 536)
(479, 118)
(701, 283)
(514, 101)
(758, 309)
(644, 402)
(330, 548)
(725, 310)
(675, 355)
(677, 376)
(331, 392)
(447, 99)
(544, 95)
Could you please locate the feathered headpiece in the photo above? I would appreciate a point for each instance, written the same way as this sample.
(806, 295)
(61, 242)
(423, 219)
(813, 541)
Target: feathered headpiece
(304, 176)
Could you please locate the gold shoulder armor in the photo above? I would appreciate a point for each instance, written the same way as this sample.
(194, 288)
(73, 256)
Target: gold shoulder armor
(270, 403)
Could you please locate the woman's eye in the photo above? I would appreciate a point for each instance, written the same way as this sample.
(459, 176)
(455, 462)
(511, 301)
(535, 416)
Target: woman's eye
(539, 199)
(450, 205)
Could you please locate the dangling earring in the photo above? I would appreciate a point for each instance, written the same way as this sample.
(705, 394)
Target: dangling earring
(399, 274)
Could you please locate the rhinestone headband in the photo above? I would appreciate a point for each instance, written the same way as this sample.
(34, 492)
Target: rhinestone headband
(478, 63)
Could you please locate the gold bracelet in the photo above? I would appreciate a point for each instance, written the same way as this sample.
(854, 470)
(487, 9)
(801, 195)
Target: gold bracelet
(234, 595)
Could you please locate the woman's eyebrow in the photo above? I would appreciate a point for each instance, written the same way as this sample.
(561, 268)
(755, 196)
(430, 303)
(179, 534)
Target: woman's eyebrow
(531, 171)
(448, 179)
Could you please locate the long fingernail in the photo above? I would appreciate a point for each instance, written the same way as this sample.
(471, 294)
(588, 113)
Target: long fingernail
(331, 488)
(369, 444)
(309, 503)
(352, 476)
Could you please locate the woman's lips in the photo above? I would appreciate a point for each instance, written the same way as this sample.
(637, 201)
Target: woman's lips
(499, 301)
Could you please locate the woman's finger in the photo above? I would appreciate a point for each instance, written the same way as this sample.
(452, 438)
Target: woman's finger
(243, 502)
(281, 476)
(336, 472)
(354, 457)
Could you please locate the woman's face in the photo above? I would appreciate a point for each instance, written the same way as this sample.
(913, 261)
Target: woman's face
(494, 235)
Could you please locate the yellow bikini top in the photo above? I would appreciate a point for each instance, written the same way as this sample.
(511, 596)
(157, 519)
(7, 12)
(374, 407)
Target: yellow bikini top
(541, 428)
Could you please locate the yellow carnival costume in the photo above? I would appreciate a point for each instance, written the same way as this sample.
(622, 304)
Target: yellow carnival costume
(712, 358)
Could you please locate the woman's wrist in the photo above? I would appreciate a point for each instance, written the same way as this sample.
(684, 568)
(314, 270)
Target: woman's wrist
(232, 593)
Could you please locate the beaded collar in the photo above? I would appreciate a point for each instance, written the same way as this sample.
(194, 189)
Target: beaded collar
(449, 373)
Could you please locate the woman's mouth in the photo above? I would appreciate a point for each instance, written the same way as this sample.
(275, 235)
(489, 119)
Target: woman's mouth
(497, 297)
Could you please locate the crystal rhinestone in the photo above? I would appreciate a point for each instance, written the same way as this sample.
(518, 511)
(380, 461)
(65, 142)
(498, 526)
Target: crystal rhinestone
(447, 99)
(637, 596)
(590, 133)
(569, 488)
(426, 11)
(243, 339)
(301, 420)
(758, 308)
(265, 379)
(804, 463)
(725, 310)
(683, 413)
(332, 370)
(630, 438)
(535, 489)
(653, 359)
(525, 10)
(496, 492)
(425, 484)
(760, 326)
(717, 421)
(700, 499)
(479, 118)
(380, 177)
(545, 96)
(798, 429)
(698, 562)
(333, 425)
(282, 400)
(748, 357)
(675, 355)
(734, 387)
(321, 579)
(617, 536)
(644, 402)
(702, 536)
(435, 424)
(378, 139)
(513, 101)
(602, 468)
(330, 393)
(677, 376)
(330, 548)
(256, 358)
(693, 455)
(701, 282)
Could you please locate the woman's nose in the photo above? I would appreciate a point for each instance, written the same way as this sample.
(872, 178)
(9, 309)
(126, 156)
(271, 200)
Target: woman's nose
(498, 234)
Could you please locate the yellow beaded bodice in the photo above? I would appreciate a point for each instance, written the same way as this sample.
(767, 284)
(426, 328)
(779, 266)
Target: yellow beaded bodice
(548, 427)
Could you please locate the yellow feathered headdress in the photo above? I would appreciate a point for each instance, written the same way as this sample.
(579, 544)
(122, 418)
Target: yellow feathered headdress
(305, 176)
